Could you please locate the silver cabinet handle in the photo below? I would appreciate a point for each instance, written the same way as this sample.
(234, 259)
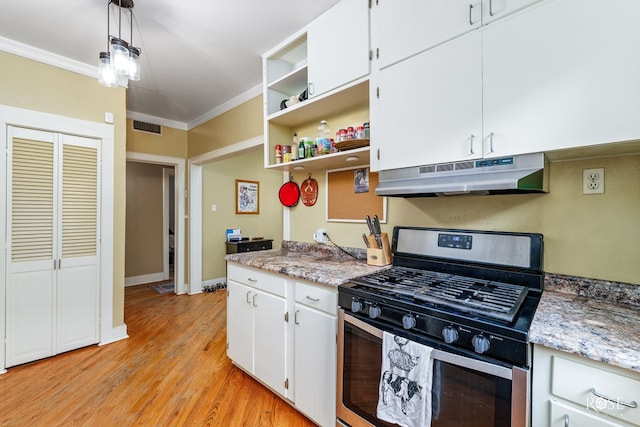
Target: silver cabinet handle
(471, 144)
(254, 300)
(470, 10)
(491, 8)
(295, 317)
(311, 89)
(633, 404)
(312, 299)
(248, 293)
(491, 150)
(252, 279)
(566, 421)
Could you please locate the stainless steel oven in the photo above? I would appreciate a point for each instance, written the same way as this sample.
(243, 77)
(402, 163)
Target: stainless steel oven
(468, 295)
(466, 392)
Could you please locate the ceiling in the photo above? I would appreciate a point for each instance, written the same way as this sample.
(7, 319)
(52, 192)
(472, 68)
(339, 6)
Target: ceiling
(197, 55)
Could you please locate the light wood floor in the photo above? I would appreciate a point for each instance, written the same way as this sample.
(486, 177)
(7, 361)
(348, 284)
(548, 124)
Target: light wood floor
(172, 370)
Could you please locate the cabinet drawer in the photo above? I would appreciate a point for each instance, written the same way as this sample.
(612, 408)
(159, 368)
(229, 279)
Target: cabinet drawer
(256, 278)
(577, 382)
(317, 297)
(564, 416)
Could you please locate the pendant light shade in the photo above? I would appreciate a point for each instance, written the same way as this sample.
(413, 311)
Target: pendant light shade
(134, 63)
(121, 62)
(120, 56)
(106, 75)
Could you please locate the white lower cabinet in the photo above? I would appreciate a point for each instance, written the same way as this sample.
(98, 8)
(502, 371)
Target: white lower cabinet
(256, 327)
(283, 332)
(569, 390)
(315, 352)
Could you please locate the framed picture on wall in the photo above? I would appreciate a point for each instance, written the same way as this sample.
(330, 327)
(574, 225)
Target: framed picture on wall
(247, 197)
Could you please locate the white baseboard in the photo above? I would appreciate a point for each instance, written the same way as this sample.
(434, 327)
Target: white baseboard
(117, 333)
(145, 278)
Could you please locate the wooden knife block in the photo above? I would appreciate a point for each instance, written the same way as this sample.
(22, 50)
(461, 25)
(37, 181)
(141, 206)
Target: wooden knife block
(379, 256)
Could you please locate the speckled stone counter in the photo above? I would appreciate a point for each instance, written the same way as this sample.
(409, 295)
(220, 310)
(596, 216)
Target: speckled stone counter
(319, 263)
(595, 319)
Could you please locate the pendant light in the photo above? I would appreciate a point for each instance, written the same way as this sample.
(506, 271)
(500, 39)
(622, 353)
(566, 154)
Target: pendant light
(121, 62)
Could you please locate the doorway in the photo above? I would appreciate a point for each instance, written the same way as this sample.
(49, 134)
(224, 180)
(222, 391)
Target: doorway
(171, 186)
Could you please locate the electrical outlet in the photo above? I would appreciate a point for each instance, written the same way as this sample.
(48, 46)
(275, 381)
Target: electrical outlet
(593, 181)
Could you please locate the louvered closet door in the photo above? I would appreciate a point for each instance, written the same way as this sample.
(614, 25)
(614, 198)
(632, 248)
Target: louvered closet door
(77, 290)
(52, 286)
(31, 213)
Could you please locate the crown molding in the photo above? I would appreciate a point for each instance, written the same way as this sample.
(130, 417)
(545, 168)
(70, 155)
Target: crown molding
(59, 61)
(46, 57)
(226, 106)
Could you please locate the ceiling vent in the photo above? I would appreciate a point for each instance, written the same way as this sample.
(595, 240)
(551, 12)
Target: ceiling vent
(147, 127)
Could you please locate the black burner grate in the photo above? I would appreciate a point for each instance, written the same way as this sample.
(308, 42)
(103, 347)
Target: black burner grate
(477, 296)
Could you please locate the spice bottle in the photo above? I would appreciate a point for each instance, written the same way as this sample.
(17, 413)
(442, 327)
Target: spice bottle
(278, 153)
(301, 149)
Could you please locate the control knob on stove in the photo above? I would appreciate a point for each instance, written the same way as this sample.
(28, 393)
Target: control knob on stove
(356, 305)
(408, 321)
(450, 334)
(480, 343)
(374, 311)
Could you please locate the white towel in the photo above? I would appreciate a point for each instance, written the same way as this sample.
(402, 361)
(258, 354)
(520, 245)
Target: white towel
(405, 382)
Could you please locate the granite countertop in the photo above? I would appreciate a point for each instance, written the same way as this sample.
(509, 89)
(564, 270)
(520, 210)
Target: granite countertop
(595, 319)
(323, 264)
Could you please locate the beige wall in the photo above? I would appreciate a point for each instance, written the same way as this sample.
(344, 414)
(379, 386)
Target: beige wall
(591, 236)
(238, 124)
(36, 86)
(219, 188)
(172, 142)
(144, 233)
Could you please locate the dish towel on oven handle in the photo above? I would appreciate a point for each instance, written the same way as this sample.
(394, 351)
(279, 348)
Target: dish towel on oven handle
(405, 382)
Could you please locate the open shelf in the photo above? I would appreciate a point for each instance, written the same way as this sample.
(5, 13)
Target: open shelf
(341, 159)
(333, 101)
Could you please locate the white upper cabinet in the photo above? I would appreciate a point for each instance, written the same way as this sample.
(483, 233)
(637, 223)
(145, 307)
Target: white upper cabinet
(400, 29)
(563, 75)
(338, 46)
(429, 107)
(549, 75)
(496, 9)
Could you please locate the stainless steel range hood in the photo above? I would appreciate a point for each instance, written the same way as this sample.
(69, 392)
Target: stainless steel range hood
(524, 173)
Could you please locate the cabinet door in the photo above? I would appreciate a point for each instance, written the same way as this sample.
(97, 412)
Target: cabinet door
(496, 9)
(240, 324)
(338, 46)
(564, 416)
(315, 364)
(400, 29)
(562, 74)
(429, 108)
(269, 340)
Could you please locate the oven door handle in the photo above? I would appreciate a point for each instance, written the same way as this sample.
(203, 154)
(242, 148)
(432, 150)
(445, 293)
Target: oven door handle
(454, 359)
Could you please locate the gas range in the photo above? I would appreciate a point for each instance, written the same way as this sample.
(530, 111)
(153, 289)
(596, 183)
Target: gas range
(474, 291)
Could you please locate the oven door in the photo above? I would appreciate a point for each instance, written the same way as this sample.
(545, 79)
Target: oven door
(466, 392)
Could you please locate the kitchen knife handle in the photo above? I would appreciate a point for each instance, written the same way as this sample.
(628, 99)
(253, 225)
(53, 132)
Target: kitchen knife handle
(366, 241)
(370, 225)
